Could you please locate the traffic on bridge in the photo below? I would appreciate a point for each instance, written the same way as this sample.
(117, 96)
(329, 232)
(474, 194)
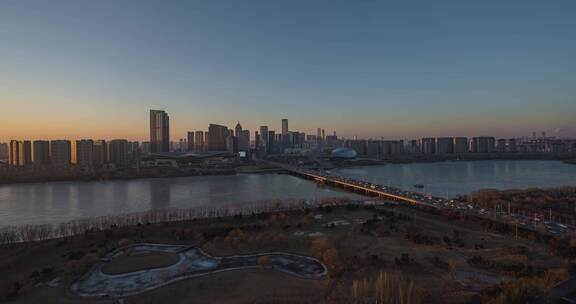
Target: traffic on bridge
(534, 222)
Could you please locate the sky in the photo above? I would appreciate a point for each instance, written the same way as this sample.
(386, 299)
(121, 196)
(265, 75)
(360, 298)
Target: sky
(393, 69)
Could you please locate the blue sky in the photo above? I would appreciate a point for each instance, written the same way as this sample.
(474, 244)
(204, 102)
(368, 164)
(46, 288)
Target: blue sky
(72, 69)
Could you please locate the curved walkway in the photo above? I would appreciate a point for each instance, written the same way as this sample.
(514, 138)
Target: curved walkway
(193, 262)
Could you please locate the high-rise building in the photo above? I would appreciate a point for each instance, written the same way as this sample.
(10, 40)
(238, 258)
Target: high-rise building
(83, 153)
(61, 153)
(118, 149)
(284, 126)
(100, 153)
(271, 146)
(460, 145)
(217, 136)
(190, 147)
(159, 131)
(413, 146)
(444, 145)
(20, 153)
(482, 144)
(199, 141)
(242, 137)
(145, 147)
(501, 145)
(4, 151)
(263, 138)
(41, 152)
(14, 155)
(512, 145)
(244, 141)
(428, 145)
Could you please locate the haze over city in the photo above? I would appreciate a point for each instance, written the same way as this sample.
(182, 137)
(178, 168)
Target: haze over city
(371, 69)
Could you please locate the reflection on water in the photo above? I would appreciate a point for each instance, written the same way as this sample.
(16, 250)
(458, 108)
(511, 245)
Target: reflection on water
(449, 179)
(63, 201)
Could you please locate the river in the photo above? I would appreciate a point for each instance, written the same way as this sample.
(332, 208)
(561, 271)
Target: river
(55, 202)
(452, 178)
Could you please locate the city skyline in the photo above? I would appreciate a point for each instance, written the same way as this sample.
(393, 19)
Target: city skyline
(278, 128)
(393, 70)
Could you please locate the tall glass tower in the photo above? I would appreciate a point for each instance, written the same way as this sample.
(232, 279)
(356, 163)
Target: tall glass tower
(159, 131)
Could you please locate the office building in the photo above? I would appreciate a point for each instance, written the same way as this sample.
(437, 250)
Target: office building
(83, 153)
(284, 126)
(460, 145)
(118, 150)
(444, 145)
(41, 152)
(217, 136)
(190, 138)
(159, 131)
(61, 153)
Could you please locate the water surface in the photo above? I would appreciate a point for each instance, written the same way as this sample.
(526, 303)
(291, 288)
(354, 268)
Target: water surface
(452, 178)
(56, 202)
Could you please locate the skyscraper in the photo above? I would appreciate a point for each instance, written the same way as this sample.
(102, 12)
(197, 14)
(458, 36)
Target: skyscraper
(284, 126)
(159, 131)
(217, 136)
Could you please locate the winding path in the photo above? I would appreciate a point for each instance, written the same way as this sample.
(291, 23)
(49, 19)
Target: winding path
(193, 262)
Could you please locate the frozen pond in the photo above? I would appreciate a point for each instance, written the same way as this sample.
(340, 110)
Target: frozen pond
(193, 262)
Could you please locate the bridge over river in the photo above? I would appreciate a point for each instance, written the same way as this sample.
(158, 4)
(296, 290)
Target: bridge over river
(532, 222)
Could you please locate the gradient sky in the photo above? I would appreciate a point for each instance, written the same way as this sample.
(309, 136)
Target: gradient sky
(397, 69)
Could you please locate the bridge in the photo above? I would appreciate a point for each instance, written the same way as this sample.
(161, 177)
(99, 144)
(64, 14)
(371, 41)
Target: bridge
(348, 184)
(414, 198)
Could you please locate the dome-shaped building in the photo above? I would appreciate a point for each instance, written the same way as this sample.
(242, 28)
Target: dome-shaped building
(343, 153)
